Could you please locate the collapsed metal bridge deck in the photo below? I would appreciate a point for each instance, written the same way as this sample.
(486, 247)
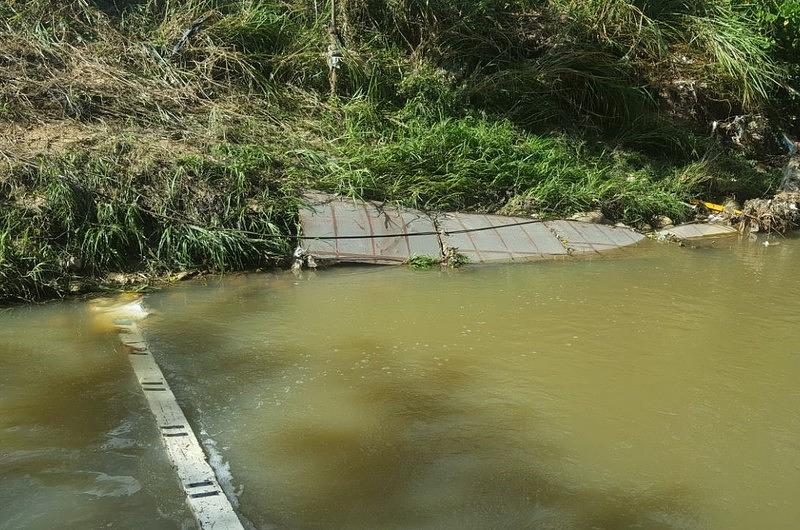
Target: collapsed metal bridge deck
(347, 230)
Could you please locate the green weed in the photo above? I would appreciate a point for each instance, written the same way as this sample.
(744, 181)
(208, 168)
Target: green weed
(453, 260)
(423, 262)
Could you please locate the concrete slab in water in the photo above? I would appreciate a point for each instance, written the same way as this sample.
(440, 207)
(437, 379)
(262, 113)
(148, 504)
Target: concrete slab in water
(697, 230)
(356, 231)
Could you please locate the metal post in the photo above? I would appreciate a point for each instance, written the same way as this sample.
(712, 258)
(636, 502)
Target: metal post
(334, 51)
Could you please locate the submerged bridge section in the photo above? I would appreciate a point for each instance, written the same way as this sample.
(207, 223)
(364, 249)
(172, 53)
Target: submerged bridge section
(204, 495)
(347, 230)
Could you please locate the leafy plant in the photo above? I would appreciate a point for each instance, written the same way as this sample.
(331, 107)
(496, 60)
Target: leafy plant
(423, 262)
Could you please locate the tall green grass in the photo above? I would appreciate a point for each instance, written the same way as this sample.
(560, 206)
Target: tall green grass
(711, 41)
(477, 164)
(86, 214)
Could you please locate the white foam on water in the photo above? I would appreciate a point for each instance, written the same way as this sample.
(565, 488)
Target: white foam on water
(221, 468)
(113, 486)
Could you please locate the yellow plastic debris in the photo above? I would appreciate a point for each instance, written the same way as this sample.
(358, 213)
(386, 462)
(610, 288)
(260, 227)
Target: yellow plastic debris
(713, 207)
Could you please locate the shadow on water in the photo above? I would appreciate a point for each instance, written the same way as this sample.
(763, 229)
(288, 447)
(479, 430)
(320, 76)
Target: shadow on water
(428, 448)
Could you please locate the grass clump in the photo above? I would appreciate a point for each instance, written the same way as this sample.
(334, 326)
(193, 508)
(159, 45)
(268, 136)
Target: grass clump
(453, 260)
(423, 262)
(704, 40)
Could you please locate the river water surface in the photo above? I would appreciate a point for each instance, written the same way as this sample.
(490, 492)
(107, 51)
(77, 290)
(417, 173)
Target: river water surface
(654, 389)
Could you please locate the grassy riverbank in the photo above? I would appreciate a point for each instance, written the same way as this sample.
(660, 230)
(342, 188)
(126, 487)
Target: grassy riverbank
(155, 136)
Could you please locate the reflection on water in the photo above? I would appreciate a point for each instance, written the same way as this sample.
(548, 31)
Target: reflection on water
(654, 390)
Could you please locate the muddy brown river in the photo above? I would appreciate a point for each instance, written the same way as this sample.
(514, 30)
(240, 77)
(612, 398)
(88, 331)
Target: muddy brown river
(655, 388)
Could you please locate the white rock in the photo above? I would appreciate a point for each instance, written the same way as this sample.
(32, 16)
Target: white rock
(663, 221)
(595, 216)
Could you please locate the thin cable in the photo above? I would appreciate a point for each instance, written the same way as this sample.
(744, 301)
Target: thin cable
(429, 233)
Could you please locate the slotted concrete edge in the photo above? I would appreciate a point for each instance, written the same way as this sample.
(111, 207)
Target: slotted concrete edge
(211, 507)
